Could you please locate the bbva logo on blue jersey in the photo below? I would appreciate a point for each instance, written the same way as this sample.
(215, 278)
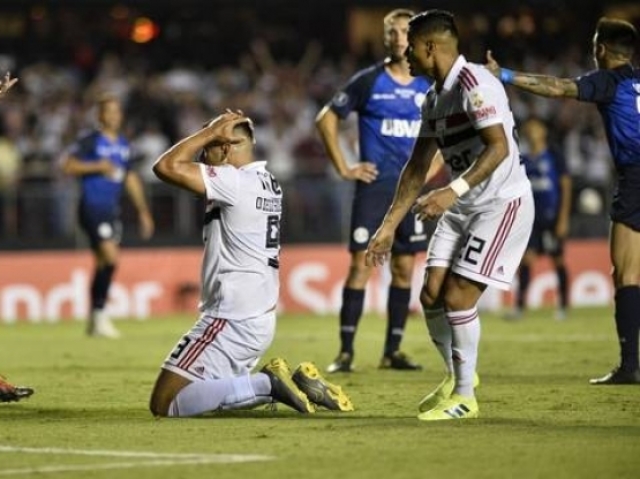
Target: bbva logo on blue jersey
(400, 128)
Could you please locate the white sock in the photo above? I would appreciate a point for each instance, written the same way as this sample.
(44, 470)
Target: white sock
(465, 326)
(440, 332)
(226, 393)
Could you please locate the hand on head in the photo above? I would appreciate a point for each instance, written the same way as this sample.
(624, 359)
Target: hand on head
(221, 127)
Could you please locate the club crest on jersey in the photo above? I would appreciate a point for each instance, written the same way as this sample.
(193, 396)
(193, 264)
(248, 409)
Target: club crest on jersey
(419, 99)
(476, 99)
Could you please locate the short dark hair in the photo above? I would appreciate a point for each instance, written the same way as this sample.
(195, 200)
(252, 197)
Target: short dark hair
(619, 35)
(433, 21)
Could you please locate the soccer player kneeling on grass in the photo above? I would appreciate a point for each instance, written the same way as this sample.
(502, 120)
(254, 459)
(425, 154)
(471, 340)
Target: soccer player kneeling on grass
(211, 367)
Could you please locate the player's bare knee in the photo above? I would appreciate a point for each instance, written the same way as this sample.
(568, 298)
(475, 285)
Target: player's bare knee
(158, 406)
(358, 276)
(402, 272)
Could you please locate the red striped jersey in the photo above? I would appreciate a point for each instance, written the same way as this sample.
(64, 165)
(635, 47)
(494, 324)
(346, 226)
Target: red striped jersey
(471, 99)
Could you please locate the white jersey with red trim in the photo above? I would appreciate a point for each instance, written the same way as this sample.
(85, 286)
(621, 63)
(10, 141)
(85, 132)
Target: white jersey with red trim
(242, 241)
(472, 99)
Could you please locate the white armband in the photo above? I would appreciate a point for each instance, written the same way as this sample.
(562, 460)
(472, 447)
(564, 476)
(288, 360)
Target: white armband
(459, 186)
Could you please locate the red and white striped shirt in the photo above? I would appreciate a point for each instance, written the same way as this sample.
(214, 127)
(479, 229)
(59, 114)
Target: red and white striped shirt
(472, 99)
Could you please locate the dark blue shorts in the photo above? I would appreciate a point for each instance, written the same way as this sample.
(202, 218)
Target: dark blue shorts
(99, 225)
(543, 239)
(370, 204)
(625, 207)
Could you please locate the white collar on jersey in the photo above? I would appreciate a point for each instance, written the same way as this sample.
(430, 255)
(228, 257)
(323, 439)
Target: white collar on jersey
(253, 165)
(452, 76)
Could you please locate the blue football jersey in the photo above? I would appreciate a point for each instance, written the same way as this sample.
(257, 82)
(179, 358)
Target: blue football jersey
(99, 192)
(544, 172)
(388, 116)
(617, 95)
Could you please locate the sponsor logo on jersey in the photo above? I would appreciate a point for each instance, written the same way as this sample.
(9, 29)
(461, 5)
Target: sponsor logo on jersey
(483, 113)
(405, 93)
(110, 151)
(400, 128)
(383, 96)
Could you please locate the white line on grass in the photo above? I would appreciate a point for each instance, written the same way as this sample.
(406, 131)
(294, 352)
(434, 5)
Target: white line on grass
(160, 459)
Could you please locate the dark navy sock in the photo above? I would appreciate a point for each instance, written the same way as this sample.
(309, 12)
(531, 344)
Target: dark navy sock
(524, 278)
(100, 286)
(397, 311)
(350, 312)
(563, 286)
(628, 325)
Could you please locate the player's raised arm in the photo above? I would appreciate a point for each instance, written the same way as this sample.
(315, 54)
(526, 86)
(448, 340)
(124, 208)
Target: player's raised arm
(543, 85)
(176, 165)
(6, 83)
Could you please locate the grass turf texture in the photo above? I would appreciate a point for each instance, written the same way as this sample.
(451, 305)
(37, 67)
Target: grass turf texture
(539, 416)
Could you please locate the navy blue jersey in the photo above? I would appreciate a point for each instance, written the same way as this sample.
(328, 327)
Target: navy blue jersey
(617, 95)
(100, 193)
(388, 117)
(544, 171)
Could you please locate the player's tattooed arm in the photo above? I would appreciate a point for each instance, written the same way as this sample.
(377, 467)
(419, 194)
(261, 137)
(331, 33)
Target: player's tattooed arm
(545, 85)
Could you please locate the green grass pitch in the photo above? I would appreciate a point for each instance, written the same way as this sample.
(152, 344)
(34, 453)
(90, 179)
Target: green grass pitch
(539, 416)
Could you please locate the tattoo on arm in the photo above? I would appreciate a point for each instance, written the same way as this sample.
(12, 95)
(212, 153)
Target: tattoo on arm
(545, 85)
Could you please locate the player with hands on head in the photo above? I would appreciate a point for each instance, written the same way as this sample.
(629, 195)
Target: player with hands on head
(614, 87)
(210, 368)
(484, 215)
(387, 99)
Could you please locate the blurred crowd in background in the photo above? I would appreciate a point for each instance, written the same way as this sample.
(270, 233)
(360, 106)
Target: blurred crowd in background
(279, 65)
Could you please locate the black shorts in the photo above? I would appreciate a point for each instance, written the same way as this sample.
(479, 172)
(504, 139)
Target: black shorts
(625, 207)
(370, 204)
(99, 225)
(543, 239)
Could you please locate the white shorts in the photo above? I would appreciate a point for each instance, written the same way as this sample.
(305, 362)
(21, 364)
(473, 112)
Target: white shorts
(485, 246)
(217, 348)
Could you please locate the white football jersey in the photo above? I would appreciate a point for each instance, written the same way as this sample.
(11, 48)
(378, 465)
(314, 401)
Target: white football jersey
(472, 99)
(241, 234)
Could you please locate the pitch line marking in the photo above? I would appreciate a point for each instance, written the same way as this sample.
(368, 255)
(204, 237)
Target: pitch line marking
(157, 459)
